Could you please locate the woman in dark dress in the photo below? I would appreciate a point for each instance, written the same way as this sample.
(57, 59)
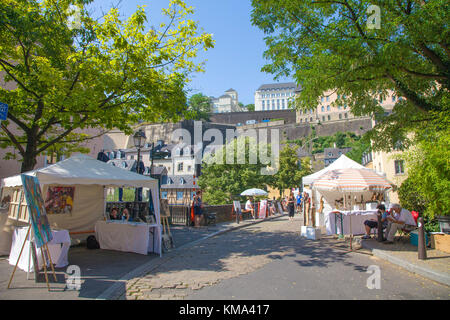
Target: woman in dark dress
(291, 206)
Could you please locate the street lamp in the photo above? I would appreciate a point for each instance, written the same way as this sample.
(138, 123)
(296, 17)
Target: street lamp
(139, 139)
(139, 142)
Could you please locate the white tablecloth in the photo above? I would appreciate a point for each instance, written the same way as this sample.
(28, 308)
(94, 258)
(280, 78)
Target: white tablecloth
(58, 247)
(357, 219)
(134, 237)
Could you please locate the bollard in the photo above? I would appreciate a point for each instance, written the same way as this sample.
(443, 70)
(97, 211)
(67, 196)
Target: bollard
(421, 245)
(380, 228)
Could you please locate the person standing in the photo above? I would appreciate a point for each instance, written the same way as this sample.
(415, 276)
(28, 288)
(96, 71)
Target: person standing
(299, 202)
(291, 206)
(197, 204)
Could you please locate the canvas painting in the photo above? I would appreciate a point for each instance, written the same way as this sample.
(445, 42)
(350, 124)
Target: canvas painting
(280, 209)
(262, 209)
(59, 200)
(237, 207)
(36, 209)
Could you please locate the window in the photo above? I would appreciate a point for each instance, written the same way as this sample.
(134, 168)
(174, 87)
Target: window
(321, 99)
(329, 118)
(393, 98)
(399, 169)
(340, 116)
(180, 166)
(164, 194)
(323, 108)
(346, 116)
(310, 119)
(328, 108)
(179, 195)
(328, 99)
(323, 118)
(189, 168)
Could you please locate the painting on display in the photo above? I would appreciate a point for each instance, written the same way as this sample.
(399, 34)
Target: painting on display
(36, 209)
(262, 209)
(59, 200)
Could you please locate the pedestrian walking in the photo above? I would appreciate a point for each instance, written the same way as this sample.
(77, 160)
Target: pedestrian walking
(291, 206)
(197, 204)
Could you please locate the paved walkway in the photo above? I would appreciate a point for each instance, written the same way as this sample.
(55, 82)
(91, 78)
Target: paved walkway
(184, 238)
(436, 267)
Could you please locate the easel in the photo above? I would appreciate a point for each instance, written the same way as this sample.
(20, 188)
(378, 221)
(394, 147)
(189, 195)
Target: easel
(36, 265)
(167, 236)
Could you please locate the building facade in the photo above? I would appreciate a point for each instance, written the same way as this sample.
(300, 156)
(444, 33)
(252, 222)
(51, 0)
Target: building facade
(329, 110)
(275, 96)
(228, 102)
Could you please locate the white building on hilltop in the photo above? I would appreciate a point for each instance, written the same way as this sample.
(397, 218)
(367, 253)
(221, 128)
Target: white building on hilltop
(228, 102)
(275, 96)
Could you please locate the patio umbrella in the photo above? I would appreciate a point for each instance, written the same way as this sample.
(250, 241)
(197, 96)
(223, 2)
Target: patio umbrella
(254, 192)
(351, 180)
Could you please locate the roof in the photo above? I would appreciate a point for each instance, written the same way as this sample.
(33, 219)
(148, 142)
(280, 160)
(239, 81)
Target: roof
(84, 170)
(278, 86)
(335, 152)
(230, 90)
(342, 162)
(159, 171)
(180, 182)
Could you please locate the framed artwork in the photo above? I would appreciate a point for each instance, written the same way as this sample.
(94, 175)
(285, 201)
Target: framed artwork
(237, 207)
(59, 200)
(262, 209)
(36, 210)
(280, 209)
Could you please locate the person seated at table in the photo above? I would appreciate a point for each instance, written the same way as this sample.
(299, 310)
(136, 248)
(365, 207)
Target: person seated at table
(372, 223)
(249, 207)
(398, 218)
(114, 214)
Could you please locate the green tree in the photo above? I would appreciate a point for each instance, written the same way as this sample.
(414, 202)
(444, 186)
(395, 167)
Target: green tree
(429, 170)
(291, 170)
(199, 107)
(335, 45)
(250, 107)
(223, 181)
(93, 73)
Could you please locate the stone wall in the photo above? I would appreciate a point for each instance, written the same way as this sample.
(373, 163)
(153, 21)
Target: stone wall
(241, 117)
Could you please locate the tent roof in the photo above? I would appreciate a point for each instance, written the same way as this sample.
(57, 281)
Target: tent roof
(343, 162)
(82, 169)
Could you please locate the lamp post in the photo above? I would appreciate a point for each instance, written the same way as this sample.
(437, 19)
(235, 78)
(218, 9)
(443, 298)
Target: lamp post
(139, 142)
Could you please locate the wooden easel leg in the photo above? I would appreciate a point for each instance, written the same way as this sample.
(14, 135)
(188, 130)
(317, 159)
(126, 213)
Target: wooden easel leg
(45, 268)
(51, 262)
(20, 254)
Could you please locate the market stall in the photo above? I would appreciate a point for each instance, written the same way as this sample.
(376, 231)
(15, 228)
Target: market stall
(355, 194)
(323, 200)
(75, 198)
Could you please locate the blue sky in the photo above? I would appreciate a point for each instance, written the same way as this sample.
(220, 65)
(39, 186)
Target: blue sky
(237, 58)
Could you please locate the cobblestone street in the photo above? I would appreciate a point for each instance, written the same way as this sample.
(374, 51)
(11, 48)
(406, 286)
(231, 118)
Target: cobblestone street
(268, 254)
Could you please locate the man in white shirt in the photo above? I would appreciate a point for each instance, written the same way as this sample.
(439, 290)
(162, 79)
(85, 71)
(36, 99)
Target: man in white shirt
(249, 207)
(396, 221)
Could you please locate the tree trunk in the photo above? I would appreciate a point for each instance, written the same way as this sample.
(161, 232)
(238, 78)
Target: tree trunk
(28, 163)
(29, 158)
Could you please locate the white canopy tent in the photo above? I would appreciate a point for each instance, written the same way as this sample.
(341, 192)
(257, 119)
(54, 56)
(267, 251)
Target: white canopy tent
(343, 162)
(90, 178)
